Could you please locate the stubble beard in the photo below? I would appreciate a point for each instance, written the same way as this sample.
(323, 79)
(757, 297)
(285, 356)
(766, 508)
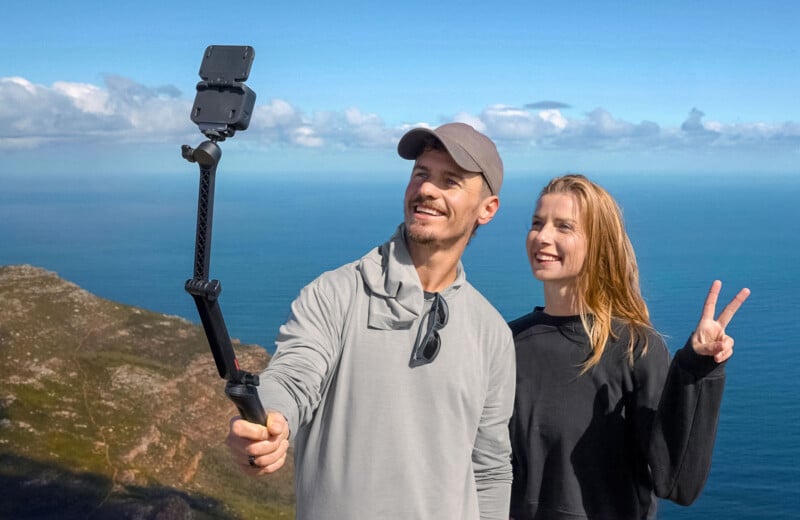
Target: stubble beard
(423, 236)
(430, 239)
(423, 239)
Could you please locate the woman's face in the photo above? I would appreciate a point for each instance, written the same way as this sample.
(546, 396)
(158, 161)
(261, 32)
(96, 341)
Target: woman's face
(556, 242)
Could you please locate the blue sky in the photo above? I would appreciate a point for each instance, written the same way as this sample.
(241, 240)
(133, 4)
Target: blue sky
(106, 88)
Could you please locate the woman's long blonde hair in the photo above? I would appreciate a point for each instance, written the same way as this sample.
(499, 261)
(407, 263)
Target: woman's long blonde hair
(608, 283)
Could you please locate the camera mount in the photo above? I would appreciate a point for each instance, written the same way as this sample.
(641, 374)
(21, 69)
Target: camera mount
(222, 106)
(223, 103)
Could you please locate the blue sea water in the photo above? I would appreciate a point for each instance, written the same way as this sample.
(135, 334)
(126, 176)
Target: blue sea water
(131, 239)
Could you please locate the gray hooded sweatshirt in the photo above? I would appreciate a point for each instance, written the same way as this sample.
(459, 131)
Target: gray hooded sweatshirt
(373, 437)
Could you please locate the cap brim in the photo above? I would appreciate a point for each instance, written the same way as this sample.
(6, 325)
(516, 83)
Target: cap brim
(410, 147)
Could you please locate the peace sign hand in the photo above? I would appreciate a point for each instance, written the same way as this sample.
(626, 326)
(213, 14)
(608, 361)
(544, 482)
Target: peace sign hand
(709, 339)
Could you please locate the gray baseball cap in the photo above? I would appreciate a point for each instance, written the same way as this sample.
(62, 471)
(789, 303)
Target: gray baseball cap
(469, 148)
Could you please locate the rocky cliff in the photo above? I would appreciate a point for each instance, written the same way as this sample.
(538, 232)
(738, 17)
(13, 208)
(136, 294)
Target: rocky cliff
(112, 411)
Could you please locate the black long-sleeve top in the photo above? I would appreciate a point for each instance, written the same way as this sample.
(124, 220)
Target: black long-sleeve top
(604, 444)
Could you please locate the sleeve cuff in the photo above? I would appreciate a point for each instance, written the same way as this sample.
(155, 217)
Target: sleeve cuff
(274, 397)
(697, 365)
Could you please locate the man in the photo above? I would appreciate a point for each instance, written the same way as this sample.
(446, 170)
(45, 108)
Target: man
(393, 376)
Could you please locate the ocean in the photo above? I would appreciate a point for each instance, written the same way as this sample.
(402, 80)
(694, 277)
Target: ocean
(131, 239)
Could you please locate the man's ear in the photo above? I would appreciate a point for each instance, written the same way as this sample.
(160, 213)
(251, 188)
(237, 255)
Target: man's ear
(488, 209)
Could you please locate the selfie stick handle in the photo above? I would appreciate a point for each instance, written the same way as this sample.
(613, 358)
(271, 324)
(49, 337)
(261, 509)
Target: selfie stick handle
(242, 386)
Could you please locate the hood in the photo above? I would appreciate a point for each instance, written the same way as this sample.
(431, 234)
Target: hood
(395, 293)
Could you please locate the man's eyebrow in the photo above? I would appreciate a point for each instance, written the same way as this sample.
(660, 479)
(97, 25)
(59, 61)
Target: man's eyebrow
(460, 172)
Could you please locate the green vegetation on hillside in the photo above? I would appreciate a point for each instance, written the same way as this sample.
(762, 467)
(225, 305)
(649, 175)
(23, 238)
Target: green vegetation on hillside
(112, 411)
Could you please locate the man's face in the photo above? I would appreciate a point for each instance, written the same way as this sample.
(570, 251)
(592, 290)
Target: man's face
(443, 202)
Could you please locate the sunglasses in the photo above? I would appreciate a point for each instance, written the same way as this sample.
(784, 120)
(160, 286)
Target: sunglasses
(426, 348)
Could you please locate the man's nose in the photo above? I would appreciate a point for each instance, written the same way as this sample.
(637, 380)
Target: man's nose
(428, 188)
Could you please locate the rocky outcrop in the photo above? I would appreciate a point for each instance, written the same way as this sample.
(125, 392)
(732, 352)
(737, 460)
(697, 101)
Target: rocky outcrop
(112, 411)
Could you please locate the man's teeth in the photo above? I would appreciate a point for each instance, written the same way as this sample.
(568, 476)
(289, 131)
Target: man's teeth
(427, 211)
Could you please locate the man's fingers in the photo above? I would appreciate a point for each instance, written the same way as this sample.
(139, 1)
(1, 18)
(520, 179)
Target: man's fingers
(262, 469)
(729, 311)
(267, 456)
(248, 430)
(277, 424)
(275, 466)
(255, 449)
(274, 459)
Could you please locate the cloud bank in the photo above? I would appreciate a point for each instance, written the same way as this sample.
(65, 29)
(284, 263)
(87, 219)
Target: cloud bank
(123, 111)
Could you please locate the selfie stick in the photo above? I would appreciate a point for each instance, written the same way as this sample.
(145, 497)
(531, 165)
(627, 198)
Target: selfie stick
(223, 104)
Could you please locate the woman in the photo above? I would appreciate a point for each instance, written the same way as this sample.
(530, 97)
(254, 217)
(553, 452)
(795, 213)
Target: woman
(591, 436)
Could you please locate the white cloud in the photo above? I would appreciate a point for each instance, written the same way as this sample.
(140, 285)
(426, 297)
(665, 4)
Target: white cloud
(554, 117)
(474, 121)
(280, 123)
(304, 136)
(123, 111)
(35, 115)
(85, 97)
(276, 114)
(513, 124)
(600, 129)
(719, 134)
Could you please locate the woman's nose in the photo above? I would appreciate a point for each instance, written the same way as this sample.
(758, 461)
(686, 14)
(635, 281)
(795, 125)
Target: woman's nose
(543, 235)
